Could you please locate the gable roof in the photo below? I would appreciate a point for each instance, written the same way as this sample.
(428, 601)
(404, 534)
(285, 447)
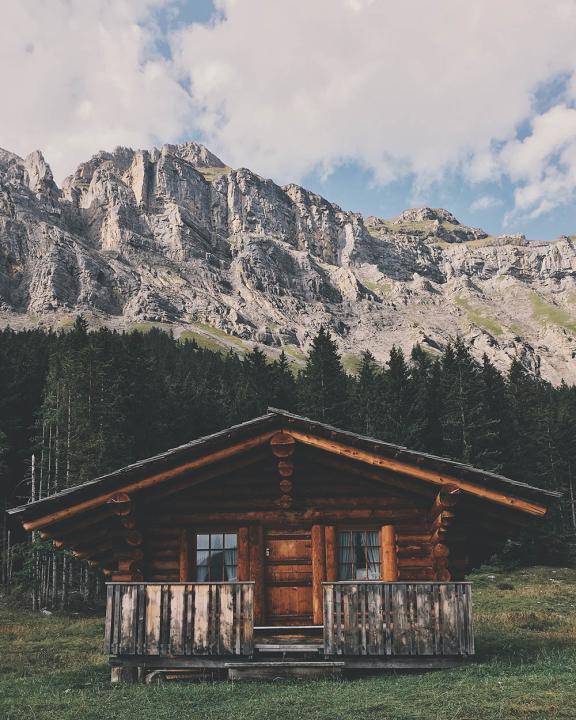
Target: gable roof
(251, 434)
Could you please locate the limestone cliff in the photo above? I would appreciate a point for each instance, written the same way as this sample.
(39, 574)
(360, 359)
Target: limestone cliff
(175, 237)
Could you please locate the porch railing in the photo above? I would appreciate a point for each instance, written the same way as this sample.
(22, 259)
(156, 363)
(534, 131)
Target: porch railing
(401, 618)
(180, 619)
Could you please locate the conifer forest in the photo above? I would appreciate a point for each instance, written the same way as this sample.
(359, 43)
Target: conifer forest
(75, 405)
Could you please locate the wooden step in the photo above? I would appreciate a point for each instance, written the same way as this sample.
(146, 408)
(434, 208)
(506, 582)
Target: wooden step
(289, 647)
(283, 669)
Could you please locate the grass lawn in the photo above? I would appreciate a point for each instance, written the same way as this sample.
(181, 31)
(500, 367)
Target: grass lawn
(52, 668)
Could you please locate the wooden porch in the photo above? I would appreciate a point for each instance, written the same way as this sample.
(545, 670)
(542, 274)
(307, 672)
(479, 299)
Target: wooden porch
(176, 629)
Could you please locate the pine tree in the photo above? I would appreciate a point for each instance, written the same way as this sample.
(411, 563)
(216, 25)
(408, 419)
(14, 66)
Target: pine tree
(469, 430)
(283, 393)
(398, 422)
(365, 401)
(323, 383)
(426, 376)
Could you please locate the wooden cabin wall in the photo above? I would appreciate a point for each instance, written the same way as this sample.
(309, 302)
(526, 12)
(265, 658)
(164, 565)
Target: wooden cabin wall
(322, 499)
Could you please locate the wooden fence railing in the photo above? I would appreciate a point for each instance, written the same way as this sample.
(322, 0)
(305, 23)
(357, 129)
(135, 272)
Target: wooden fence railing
(398, 618)
(181, 619)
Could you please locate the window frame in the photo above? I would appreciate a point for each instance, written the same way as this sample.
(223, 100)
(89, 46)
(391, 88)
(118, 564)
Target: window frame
(350, 530)
(194, 550)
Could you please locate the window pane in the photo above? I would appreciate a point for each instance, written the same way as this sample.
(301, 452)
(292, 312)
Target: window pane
(216, 569)
(230, 572)
(374, 571)
(216, 541)
(344, 539)
(202, 568)
(372, 539)
(345, 572)
(230, 541)
(359, 550)
(202, 542)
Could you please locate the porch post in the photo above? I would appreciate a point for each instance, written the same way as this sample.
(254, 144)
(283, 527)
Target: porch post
(388, 554)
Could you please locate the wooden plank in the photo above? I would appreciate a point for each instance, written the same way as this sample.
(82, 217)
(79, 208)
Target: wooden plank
(177, 619)
(350, 614)
(128, 621)
(117, 629)
(141, 619)
(153, 607)
(318, 573)
(226, 620)
(401, 635)
(108, 628)
(189, 611)
(424, 620)
(389, 558)
(247, 644)
(328, 598)
(201, 620)
(257, 571)
(449, 619)
(376, 620)
(362, 618)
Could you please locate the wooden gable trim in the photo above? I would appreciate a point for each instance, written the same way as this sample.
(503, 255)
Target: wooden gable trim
(430, 476)
(156, 479)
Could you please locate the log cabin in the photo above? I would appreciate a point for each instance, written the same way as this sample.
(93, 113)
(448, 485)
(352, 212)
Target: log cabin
(284, 546)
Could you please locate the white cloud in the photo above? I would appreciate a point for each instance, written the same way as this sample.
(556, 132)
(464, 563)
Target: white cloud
(426, 88)
(485, 202)
(83, 75)
(543, 165)
(420, 86)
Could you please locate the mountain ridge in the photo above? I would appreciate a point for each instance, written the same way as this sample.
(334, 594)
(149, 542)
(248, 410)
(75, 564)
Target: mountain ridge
(175, 237)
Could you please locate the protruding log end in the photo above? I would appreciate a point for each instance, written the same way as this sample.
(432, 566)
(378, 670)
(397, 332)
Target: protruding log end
(286, 486)
(285, 468)
(282, 445)
(285, 502)
(120, 504)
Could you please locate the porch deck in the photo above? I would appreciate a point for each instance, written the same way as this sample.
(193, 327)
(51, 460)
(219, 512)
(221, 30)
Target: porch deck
(177, 627)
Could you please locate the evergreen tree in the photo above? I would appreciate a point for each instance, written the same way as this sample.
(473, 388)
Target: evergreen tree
(426, 376)
(323, 391)
(469, 430)
(283, 393)
(398, 422)
(365, 400)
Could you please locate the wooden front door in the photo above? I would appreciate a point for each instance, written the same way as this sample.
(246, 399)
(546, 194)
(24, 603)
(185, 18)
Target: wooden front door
(288, 577)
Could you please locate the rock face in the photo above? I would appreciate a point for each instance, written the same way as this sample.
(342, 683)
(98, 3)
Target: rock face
(174, 236)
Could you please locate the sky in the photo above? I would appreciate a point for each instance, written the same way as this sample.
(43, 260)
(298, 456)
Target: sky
(377, 105)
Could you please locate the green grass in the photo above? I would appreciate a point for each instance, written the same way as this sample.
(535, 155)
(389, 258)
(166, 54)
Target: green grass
(549, 314)
(202, 341)
(351, 362)
(219, 333)
(145, 327)
(380, 288)
(478, 317)
(51, 668)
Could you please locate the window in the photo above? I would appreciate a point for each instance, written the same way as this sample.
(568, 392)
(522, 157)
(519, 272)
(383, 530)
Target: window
(216, 557)
(359, 555)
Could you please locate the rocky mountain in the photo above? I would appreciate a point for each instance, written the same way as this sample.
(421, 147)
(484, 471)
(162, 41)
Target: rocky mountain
(174, 237)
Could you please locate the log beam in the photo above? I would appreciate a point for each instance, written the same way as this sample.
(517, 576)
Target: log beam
(413, 470)
(151, 481)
